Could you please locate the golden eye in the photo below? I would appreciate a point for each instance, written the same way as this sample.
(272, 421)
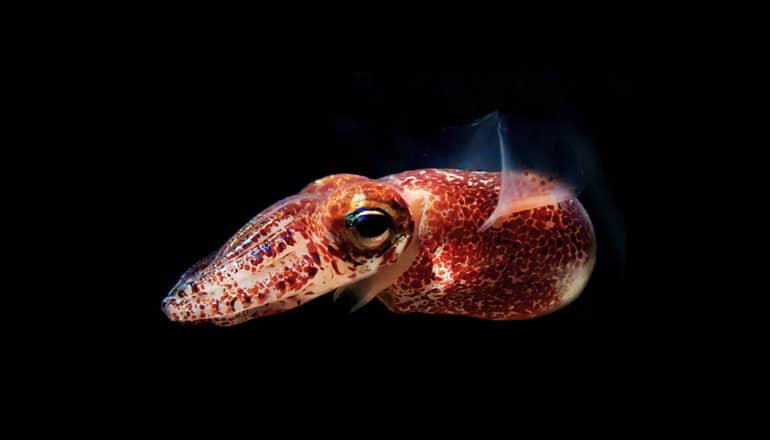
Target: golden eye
(370, 227)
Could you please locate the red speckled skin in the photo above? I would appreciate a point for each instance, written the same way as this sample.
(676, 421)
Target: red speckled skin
(529, 263)
(518, 270)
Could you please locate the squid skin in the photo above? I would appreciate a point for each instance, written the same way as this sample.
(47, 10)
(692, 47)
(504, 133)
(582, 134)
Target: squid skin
(487, 245)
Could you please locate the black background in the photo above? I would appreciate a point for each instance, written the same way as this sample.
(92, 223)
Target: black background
(207, 146)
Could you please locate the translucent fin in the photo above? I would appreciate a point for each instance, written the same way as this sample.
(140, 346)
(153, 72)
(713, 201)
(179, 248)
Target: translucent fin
(550, 148)
(523, 190)
(554, 147)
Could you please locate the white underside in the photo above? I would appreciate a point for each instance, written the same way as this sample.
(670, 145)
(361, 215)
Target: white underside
(575, 283)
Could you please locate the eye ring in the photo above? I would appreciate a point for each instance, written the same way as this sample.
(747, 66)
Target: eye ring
(369, 228)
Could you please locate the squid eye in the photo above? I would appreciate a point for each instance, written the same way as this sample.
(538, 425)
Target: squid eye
(369, 228)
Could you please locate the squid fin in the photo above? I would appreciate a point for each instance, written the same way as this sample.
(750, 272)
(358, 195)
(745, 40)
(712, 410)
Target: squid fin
(523, 190)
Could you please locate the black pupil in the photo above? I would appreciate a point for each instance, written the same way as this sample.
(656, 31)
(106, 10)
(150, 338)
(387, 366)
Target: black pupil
(371, 225)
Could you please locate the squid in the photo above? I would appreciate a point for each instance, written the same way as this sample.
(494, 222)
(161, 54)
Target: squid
(507, 245)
